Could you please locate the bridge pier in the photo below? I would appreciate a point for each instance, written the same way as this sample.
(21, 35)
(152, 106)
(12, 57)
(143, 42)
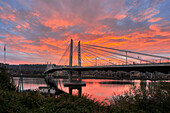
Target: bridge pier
(79, 76)
(79, 88)
(70, 76)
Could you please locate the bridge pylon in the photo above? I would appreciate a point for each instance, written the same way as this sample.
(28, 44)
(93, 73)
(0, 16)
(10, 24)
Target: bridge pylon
(75, 84)
(71, 60)
(79, 61)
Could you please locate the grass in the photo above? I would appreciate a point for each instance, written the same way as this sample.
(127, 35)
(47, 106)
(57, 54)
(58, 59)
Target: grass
(155, 99)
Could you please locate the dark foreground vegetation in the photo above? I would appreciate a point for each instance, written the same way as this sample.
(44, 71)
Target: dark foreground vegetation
(155, 100)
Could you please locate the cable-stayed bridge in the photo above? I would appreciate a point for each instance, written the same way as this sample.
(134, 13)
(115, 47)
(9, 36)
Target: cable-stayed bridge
(87, 57)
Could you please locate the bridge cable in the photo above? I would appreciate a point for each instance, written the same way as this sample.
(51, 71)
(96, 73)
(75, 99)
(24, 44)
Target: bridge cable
(75, 55)
(121, 55)
(105, 56)
(112, 57)
(86, 56)
(64, 54)
(97, 56)
(129, 51)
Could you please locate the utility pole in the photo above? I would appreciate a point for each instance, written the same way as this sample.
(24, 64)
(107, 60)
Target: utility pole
(126, 57)
(20, 83)
(5, 54)
(96, 61)
(139, 59)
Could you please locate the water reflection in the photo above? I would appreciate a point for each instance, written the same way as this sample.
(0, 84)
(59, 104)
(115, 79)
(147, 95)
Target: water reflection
(143, 84)
(78, 88)
(97, 88)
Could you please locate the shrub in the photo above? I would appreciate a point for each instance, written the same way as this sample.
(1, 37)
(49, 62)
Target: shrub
(153, 99)
(5, 80)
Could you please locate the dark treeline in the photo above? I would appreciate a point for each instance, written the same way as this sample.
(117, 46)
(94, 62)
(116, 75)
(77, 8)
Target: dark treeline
(36, 70)
(28, 69)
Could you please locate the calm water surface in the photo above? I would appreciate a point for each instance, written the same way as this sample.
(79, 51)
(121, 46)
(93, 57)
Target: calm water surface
(96, 88)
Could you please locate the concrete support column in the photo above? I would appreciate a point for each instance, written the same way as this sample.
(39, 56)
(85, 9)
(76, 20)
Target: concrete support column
(79, 88)
(79, 91)
(70, 90)
(79, 76)
(70, 76)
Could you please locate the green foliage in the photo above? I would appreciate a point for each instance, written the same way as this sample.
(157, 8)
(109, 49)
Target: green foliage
(155, 99)
(35, 102)
(5, 80)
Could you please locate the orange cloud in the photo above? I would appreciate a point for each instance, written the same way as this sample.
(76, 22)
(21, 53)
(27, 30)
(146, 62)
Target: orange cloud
(25, 25)
(10, 17)
(27, 41)
(53, 41)
(155, 19)
(56, 22)
(18, 26)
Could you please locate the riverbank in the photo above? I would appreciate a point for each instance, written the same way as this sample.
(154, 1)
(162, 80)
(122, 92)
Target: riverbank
(12, 101)
(66, 77)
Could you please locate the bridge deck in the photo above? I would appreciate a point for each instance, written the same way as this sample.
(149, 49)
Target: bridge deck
(165, 68)
(67, 84)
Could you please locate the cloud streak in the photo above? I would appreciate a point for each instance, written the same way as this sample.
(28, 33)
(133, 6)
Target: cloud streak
(40, 30)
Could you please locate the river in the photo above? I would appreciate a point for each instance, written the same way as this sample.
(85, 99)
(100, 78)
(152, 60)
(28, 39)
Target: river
(100, 89)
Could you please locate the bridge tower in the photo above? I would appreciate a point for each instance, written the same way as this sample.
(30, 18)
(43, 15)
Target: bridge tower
(71, 60)
(79, 61)
(79, 54)
(75, 84)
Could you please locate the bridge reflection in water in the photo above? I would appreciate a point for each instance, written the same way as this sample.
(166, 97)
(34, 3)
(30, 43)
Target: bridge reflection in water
(96, 88)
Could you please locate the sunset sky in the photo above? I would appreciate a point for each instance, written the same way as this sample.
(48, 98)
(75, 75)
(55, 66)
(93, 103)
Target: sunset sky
(37, 31)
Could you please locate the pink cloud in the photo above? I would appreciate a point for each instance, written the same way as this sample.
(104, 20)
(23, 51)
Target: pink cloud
(1, 8)
(120, 16)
